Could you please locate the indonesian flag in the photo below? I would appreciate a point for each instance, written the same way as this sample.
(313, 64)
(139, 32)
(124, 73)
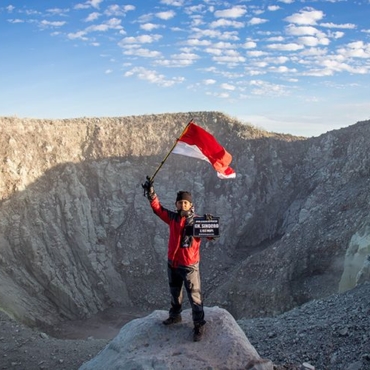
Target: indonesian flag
(197, 143)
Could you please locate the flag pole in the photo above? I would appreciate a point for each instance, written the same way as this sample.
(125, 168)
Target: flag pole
(168, 154)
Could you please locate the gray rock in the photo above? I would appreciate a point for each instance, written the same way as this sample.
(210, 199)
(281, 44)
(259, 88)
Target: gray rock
(148, 344)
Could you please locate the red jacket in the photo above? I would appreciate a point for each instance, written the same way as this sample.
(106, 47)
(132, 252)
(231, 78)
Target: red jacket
(177, 255)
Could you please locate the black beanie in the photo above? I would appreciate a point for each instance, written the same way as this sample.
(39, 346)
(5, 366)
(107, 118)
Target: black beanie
(184, 195)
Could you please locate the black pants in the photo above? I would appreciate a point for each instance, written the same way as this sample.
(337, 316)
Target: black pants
(189, 277)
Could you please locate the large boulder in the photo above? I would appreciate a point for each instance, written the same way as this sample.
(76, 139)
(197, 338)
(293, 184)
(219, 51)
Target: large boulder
(146, 343)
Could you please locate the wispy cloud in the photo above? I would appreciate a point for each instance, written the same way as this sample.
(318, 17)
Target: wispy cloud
(153, 77)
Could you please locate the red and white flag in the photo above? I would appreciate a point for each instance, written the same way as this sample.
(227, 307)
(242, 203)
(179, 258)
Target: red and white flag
(198, 143)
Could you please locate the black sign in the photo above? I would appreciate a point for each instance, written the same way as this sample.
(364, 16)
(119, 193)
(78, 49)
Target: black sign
(206, 227)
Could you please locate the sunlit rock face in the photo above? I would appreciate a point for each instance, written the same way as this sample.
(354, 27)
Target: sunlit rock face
(357, 260)
(77, 235)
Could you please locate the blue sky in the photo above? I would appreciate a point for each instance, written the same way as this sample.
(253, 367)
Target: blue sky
(291, 66)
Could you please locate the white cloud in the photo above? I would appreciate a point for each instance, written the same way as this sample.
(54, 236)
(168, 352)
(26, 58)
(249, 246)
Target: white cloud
(229, 59)
(194, 9)
(275, 39)
(149, 26)
(301, 30)
(173, 2)
(223, 95)
(314, 52)
(214, 33)
(256, 53)
(153, 77)
(52, 24)
(166, 15)
(92, 17)
(185, 56)
(350, 26)
(273, 8)
(231, 35)
(338, 66)
(197, 42)
(57, 11)
(95, 3)
(170, 63)
(254, 21)
(199, 33)
(264, 88)
(223, 45)
(356, 49)
(309, 16)
(142, 39)
(276, 60)
(118, 10)
(81, 35)
(286, 47)
(209, 81)
(234, 12)
(227, 86)
(336, 34)
(258, 11)
(261, 64)
(141, 52)
(214, 51)
(249, 45)
(226, 23)
(282, 69)
(14, 21)
(313, 41)
(113, 23)
(81, 6)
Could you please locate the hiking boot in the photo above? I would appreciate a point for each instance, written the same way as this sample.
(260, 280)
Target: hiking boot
(172, 320)
(198, 332)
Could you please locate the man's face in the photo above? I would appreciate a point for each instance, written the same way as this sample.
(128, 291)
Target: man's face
(183, 205)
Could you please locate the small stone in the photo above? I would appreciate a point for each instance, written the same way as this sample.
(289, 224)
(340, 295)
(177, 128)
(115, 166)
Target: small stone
(308, 366)
(343, 332)
(354, 366)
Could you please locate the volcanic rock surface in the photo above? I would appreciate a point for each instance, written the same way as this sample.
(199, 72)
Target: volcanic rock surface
(77, 237)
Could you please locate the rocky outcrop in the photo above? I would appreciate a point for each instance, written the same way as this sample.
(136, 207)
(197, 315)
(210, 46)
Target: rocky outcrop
(77, 236)
(148, 344)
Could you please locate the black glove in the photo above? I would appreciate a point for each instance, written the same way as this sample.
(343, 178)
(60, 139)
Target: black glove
(208, 216)
(149, 189)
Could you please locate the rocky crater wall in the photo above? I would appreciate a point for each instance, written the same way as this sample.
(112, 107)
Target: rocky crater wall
(77, 236)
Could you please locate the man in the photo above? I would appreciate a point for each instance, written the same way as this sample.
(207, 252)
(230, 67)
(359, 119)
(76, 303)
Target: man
(183, 257)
